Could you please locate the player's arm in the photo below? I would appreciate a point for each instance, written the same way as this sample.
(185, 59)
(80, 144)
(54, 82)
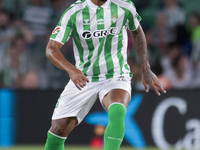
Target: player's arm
(148, 77)
(56, 57)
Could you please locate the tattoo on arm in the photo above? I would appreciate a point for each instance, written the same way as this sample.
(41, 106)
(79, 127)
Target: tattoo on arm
(140, 44)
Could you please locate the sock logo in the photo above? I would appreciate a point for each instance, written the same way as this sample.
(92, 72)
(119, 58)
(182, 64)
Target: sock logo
(113, 138)
(122, 78)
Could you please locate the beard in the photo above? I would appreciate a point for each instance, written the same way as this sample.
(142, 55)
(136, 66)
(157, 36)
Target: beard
(103, 0)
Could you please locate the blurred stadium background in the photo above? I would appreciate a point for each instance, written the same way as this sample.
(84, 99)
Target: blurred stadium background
(30, 85)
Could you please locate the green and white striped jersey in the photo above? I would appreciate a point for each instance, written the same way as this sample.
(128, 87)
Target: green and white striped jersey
(99, 36)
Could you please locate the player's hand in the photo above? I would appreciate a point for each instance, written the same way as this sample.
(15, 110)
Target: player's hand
(78, 78)
(148, 77)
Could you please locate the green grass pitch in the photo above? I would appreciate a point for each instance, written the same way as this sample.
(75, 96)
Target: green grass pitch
(69, 148)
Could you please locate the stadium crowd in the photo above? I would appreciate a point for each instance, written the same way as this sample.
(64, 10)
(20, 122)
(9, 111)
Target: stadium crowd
(172, 30)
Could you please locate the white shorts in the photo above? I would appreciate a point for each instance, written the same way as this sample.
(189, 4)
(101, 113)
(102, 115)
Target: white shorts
(76, 103)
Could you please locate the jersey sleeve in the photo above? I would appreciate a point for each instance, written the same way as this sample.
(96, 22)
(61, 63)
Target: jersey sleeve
(63, 30)
(133, 17)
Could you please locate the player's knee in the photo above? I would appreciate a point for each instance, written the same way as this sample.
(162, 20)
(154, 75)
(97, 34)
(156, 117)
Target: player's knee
(62, 127)
(116, 113)
(57, 127)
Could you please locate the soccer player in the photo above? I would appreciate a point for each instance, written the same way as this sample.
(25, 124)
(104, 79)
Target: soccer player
(99, 31)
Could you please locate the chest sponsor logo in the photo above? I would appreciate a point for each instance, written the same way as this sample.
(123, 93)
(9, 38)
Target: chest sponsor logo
(99, 33)
(56, 30)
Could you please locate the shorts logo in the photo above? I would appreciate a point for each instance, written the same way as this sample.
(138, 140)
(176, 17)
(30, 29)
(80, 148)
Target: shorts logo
(99, 33)
(122, 78)
(57, 102)
(56, 30)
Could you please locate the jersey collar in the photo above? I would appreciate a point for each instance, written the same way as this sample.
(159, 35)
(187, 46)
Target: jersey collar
(94, 7)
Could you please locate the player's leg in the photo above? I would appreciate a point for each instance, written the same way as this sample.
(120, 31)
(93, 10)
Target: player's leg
(116, 102)
(62, 127)
(58, 133)
(72, 106)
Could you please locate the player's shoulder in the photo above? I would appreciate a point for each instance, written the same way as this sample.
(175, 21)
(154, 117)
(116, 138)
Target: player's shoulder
(124, 3)
(78, 3)
(77, 6)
